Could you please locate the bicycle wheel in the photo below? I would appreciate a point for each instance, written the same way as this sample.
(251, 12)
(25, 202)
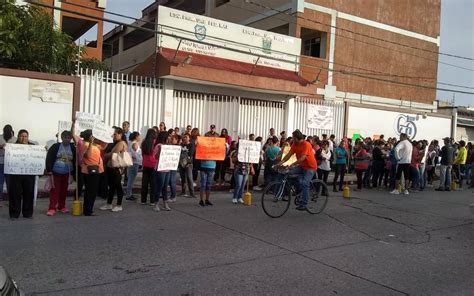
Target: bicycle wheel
(318, 197)
(276, 199)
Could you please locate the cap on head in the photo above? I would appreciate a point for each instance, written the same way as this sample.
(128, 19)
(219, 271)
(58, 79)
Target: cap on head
(298, 134)
(213, 126)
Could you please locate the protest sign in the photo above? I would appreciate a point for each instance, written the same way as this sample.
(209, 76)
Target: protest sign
(249, 151)
(355, 137)
(63, 126)
(21, 159)
(85, 121)
(102, 132)
(169, 158)
(210, 148)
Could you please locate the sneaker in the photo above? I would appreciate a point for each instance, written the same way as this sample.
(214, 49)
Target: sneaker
(208, 203)
(241, 201)
(51, 212)
(173, 199)
(234, 200)
(167, 207)
(64, 210)
(152, 204)
(156, 208)
(395, 191)
(117, 209)
(301, 208)
(201, 203)
(143, 202)
(106, 207)
(257, 188)
(406, 192)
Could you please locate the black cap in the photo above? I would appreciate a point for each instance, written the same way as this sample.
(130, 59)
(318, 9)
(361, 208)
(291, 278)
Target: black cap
(298, 134)
(213, 126)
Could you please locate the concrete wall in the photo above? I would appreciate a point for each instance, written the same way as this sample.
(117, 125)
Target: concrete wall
(465, 133)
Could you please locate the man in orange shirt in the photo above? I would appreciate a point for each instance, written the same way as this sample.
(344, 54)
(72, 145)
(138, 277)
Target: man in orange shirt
(305, 165)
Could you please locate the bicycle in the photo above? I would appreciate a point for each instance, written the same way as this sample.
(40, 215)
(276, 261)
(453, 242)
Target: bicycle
(276, 197)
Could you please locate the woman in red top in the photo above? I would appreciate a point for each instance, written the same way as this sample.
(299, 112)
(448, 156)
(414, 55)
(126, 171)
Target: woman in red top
(149, 164)
(362, 159)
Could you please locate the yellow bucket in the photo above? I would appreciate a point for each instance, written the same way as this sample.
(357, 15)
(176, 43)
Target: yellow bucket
(247, 198)
(76, 208)
(346, 192)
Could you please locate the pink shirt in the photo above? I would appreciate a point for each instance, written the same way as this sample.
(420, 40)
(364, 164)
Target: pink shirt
(149, 160)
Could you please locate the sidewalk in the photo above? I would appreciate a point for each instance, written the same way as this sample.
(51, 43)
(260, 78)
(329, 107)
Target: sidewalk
(350, 178)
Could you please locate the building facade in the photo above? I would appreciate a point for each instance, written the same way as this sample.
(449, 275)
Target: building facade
(371, 55)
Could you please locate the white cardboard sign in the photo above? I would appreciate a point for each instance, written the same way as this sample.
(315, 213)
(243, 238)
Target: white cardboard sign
(169, 158)
(249, 151)
(63, 126)
(85, 121)
(102, 132)
(320, 117)
(21, 159)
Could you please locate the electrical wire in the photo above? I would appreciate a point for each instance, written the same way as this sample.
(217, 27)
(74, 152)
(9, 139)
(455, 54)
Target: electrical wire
(244, 52)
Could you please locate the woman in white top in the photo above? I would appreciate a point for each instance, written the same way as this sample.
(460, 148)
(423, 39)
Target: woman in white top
(324, 166)
(136, 153)
(7, 137)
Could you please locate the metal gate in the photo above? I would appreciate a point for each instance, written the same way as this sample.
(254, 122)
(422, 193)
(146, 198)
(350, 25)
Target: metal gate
(240, 116)
(301, 117)
(118, 97)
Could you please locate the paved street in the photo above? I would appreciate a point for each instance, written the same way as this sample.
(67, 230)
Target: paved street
(373, 244)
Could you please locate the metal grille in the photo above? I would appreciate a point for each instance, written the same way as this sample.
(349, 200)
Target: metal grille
(301, 117)
(257, 117)
(118, 97)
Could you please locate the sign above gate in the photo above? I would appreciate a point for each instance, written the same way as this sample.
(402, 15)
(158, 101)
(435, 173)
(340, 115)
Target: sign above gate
(275, 50)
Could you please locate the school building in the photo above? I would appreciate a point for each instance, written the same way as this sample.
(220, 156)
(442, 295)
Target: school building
(321, 66)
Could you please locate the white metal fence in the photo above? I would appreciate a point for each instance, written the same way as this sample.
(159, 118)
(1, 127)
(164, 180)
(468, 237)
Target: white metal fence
(118, 97)
(240, 116)
(301, 117)
(258, 116)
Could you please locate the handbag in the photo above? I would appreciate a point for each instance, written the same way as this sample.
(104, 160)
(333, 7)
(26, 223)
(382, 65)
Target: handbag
(93, 169)
(49, 183)
(121, 160)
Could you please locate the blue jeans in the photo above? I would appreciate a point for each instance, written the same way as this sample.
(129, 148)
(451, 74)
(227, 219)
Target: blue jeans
(305, 179)
(206, 180)
(422, 175)
(132, 174)
(172, 183)
(161, 180)
(239, 185)
(445, 177)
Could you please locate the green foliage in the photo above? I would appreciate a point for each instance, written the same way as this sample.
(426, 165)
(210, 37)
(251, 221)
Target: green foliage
(30, 41)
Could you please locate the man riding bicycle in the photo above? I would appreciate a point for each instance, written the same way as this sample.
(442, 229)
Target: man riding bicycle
(305, 165)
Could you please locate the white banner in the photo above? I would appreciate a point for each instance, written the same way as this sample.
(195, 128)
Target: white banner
(249, 151)
(169, 158)
(85, 121)
(102, 132)
(320, 117)
(178, 23)
(21, 159)
(63, 126)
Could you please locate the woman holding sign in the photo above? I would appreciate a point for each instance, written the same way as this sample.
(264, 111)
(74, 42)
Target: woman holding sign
(162, 178)
(21, 187)
(114, 175)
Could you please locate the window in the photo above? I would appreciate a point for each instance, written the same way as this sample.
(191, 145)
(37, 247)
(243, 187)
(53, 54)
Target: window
(314, 43)
(221, 2)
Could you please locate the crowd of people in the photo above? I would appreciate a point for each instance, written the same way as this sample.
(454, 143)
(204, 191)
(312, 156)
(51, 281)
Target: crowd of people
(399, 166)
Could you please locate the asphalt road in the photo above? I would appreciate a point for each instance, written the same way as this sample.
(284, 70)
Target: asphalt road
(373, 244)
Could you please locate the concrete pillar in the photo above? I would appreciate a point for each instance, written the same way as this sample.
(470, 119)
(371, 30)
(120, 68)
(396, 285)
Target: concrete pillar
(454, 123)
(290, 115)
(210, 5)
(168, 102)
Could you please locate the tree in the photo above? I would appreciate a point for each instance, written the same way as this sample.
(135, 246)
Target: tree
(30, 41)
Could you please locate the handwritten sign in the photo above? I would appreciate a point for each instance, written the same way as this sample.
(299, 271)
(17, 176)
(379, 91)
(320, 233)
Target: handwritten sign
(210, 148)
(169, 158)
(85, 121)
(249, 151)
(102, 132)
(23, 159)
(63, 126)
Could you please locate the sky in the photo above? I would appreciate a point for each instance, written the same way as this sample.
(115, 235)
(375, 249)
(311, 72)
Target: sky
(457, 38)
